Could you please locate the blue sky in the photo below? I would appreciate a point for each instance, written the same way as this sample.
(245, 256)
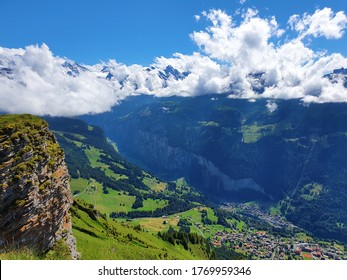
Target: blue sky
(132, 31)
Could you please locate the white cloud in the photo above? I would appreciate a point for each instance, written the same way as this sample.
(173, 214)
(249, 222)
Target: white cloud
(245, 45)
(271, 106)
(41, 86)
(245, 58)
(323, 23)
(288, 70)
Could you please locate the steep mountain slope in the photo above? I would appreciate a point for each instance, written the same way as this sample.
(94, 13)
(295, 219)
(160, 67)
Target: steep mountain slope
(106, 185)
(95, 165)
(35, 193)
(268, 150)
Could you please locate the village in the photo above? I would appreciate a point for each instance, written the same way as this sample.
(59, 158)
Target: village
(261, 244)
(253, 210)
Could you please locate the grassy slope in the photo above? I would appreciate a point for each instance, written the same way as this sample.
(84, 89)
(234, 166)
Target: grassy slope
(102, 238)
(91, 192)
(59, 251)
(163, 224)
(20, 121)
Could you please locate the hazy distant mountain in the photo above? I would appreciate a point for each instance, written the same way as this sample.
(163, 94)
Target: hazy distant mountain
(10, 64)
(338, 75)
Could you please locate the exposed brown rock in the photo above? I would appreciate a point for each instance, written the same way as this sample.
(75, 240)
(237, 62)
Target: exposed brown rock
(35, 194)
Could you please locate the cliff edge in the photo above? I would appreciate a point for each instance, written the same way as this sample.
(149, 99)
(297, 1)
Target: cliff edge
(35, 194)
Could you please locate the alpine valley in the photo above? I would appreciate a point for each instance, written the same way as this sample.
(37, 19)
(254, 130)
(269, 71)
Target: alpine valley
(290, 156)
(205, 177)
(211, 178)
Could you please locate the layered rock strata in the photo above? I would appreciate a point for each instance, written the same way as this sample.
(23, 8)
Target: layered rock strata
(35, 194)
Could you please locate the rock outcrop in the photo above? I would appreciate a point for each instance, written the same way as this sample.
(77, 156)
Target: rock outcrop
(176, 159)
(35, 194)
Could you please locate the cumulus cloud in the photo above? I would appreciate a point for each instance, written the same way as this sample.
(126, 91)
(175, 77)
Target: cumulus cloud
(287, 70)
(244, 46)
(246, 57)
(323, 23)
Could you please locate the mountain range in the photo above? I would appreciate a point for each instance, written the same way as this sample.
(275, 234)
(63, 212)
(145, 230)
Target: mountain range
(108, 71)
(10, 66)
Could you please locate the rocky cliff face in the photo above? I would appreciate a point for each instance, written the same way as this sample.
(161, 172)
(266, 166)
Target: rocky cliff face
(35, 193)
(176, 159)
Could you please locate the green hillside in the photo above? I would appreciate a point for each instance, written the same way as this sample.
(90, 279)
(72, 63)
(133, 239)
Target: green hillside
(102, 177)
(131, 204)
(101, 238)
